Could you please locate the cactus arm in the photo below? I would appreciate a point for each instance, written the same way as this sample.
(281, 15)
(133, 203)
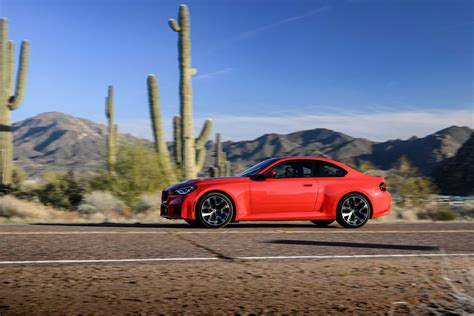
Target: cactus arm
(116, 139)
(3, 59)
(109, 103)
(204, 135)
(177, 139)
(174, 25)
(200, 159)
(16, 99)
(9, 68)
(228, 169)
(112, 132)
(158, 131)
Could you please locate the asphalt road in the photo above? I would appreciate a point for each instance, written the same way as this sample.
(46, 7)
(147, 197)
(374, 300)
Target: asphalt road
(245, 268)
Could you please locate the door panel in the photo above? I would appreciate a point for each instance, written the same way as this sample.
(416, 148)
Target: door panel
(283, 195)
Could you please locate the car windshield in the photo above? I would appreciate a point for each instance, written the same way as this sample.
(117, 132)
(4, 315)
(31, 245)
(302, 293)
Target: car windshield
(258, 167)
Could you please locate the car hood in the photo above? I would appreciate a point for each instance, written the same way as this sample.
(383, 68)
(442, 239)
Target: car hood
(205, 181)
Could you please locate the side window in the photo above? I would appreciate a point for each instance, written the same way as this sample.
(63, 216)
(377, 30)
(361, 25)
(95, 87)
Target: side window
(326, 169)
(294, 169)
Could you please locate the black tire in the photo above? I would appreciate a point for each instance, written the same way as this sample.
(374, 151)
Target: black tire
(323, 223)
(353, 211)
(214, 210)
(193, 222)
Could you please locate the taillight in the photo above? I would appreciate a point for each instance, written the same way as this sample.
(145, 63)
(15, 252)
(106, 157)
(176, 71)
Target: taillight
(383, 186)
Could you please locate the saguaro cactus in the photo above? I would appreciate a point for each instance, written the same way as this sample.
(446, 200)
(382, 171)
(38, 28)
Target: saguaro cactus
(9, 100)
(158, 131)
(178, 158)
(192, 150)
(222, 167)
(112, 132)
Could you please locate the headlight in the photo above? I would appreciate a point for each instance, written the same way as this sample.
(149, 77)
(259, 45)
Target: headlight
(185, 190)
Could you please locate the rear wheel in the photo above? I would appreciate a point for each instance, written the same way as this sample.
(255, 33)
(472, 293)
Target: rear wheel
(353, 211)
(323, 223)
(214, 210)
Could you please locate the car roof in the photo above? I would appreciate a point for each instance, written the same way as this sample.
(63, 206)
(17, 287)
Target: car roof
(350, 170)
(306, 158)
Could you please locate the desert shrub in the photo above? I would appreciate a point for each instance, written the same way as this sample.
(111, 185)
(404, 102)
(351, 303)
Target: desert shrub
(407, 185)
(13, 208)
(61, 190)
(137, 172)
(438, 214)
(18, 176)
(148, 202)
(101, 201)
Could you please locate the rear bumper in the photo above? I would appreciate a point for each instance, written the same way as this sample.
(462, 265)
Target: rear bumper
(382, 204)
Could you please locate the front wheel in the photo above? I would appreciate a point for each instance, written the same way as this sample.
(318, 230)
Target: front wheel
(214, 210)
(323, 223)
(353, 211)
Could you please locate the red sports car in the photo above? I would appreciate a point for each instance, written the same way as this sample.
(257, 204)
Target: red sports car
(290, 188)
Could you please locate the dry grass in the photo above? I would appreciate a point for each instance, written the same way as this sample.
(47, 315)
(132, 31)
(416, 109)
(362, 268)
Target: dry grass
(15, 210)
(99, 207)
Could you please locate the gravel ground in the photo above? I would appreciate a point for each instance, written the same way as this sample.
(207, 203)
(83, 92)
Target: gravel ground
(229, 285)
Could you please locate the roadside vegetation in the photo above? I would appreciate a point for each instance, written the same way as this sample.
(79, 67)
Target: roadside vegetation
(133, 193)
(415, 197)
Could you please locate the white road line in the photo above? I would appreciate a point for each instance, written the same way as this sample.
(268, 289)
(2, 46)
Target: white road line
(237, 258)
(359, 256)
(109, 260)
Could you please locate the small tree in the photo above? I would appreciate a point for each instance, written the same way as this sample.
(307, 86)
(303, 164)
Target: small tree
(61, 190)
(136, 173)
(405, 181)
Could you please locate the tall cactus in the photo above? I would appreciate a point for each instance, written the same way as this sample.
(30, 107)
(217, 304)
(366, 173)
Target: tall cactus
(158, 131)
(222, 167)
(192, 150)
(9, 100)
(112, 132)
(178, 158)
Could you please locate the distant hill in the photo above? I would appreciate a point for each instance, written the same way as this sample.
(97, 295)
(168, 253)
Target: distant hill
(425, 153)
(60, 142)
(315, 142)
(455, 176)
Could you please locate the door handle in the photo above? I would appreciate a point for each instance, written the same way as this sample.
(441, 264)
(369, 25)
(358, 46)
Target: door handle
(308, 185)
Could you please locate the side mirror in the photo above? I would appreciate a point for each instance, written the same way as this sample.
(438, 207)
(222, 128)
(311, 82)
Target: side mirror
(265, 175)
(269, 174)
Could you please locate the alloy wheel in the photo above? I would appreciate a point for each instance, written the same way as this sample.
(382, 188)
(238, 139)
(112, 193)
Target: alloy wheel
(354, 211)
(215, 210)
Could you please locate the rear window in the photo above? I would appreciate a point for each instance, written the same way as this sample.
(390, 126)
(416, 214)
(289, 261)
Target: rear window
(327, 169)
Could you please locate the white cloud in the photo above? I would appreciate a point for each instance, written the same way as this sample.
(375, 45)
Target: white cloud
(212, 74)
(379, 126)
(267, 27)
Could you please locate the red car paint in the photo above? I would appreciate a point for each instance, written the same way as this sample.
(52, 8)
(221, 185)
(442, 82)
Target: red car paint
(270, 199)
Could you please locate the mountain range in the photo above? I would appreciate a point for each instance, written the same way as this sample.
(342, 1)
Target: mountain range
(61, 142)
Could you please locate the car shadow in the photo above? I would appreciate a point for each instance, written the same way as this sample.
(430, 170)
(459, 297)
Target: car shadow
(350, 244)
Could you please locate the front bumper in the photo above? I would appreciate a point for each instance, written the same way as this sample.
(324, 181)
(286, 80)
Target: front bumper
(177, 206)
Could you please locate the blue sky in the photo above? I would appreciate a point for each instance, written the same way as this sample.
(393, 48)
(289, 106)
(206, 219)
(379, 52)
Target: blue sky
(378, 69)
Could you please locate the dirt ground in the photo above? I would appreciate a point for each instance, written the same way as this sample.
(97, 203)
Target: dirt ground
(230, 285)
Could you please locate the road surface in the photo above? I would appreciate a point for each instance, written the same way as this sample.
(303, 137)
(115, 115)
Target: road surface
(242, 269)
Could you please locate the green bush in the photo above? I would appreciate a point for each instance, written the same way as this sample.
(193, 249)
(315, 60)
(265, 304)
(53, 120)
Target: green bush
(137, 172)
(61, 191)
(409, 187)
(438, 214)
